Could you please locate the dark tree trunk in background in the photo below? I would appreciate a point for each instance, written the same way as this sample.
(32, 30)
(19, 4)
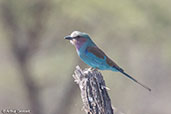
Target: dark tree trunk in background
(22, 51)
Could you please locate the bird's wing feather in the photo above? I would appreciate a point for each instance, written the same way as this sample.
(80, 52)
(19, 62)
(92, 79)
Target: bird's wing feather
(100, 54)
(96, 51)
(95, 55)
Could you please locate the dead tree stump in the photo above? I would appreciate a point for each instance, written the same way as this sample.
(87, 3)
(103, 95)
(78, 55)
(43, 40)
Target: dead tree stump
(93, 91)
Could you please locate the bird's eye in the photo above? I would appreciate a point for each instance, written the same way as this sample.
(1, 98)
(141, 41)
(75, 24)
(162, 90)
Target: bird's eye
(77, 37)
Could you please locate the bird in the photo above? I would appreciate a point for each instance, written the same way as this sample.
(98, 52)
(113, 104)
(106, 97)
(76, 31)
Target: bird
(93, 56)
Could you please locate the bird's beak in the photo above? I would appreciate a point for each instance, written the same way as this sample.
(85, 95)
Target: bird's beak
(68, 37)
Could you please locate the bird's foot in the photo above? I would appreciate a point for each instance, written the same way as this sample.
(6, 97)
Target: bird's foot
(91, 68)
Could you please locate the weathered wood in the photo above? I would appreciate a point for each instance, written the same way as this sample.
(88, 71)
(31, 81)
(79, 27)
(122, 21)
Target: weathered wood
(93, 91)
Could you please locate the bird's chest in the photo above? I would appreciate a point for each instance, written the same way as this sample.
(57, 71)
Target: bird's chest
(82, 54)
(81, 51)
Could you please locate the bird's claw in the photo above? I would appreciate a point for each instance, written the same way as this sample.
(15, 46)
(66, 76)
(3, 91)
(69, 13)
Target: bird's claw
(92, 69)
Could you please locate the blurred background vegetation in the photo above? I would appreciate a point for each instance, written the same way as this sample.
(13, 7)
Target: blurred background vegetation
(36, 63)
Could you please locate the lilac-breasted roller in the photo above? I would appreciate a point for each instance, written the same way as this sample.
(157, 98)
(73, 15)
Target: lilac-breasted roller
(94, 56)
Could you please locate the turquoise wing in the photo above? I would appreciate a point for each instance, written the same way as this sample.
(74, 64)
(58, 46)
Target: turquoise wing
(99, 59)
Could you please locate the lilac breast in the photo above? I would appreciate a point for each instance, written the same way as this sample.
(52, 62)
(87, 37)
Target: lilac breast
(79, 43)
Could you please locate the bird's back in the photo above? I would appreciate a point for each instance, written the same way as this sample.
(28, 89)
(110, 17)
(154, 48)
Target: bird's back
(96, 58)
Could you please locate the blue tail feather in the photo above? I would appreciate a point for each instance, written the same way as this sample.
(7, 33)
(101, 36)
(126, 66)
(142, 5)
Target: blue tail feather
(130, 77)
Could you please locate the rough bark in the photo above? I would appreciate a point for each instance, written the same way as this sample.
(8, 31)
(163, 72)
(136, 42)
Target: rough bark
(93, 91)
